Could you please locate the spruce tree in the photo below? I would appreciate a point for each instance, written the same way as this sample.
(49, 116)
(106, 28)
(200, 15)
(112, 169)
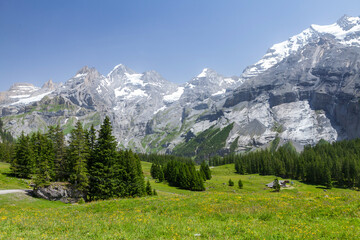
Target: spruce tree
(161, 177)
(44, 159)
(23, 162)
(148, 189)
(240, 184)
(78, 154)
(104, 168)
(132, 176)
(276, 185)
(206, 170)
(231, 183)
(327, 178)
(91, 140)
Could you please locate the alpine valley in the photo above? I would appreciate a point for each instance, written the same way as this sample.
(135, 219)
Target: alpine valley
(302, 90)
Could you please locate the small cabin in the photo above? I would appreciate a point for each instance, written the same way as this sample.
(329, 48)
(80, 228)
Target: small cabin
(281, 182)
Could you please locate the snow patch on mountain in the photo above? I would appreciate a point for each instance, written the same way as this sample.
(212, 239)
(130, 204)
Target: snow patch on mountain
(20, 96)
(227, 81)
(203, 73)
(160, 109)
(346, 30)
(219, 92)
(80, 75)
(278, 52)
(135, 79)
(174, 96)
(31, 99)
(127, 93)
(350, 27)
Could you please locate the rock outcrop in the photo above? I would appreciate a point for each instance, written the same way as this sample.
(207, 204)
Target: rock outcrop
(59, 192)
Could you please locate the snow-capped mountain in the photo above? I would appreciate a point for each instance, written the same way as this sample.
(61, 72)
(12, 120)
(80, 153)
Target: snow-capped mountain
(25, 93)
(345, 31)
(304, 89)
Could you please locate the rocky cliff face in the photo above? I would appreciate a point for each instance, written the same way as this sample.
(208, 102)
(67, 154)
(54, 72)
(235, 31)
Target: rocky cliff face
(303, 89)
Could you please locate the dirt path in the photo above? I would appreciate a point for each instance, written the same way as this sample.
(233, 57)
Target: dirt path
(13, 191)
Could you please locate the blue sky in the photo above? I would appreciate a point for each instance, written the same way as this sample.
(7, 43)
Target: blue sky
(42, 39)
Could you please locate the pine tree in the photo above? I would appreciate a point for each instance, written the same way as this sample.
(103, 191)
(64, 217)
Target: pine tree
(105, 167)
(240, 184)
(23, 162)
(91, 142)
(78, 154)
(206, 170)
(161, 177)
(56, 135)
(154, 193)
(327, 178)
(276, 185)
(231, 183)
(148, 189)
(44, 159)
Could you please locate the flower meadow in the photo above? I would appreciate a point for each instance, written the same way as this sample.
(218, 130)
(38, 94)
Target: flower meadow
(221, 212)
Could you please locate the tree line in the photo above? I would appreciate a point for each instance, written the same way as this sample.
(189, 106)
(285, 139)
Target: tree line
(90, 162)
(323, 164)
(178, 171)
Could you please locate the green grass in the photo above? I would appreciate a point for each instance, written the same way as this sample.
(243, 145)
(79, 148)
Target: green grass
(221, 212)
(205, 143)
(8, 182)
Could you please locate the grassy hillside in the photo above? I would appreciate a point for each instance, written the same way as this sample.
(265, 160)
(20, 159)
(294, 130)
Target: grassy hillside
(221, 212)
(8, 182)
(208, 142)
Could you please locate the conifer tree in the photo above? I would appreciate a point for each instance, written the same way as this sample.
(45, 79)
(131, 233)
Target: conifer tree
(240, 184)
(231, 183)
(105, 166)
(148, 189)
(206, 170)
(23, 162)
(132, 177)
(161, 177)
(44, 159)
(327, 178)
(91, 142)
(78, 154)
(61, 166)
(276, 185)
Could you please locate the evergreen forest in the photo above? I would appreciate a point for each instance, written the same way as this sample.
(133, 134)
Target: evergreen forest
(324, 164)
(90, 162)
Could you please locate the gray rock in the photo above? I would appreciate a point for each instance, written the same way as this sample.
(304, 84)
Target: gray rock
(59, 192)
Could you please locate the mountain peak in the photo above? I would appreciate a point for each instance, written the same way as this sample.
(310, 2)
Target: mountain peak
(49, 85)
(206, 72)
(346, 31)
(347, 22)
(23, 87)
(344, 27)
(120, 68)
(84, 71)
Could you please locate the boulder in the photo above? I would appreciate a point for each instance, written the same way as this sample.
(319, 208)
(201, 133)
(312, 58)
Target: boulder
(63, 192)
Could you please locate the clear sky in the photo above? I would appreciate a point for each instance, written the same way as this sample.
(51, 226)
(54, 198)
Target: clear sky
(43, 39)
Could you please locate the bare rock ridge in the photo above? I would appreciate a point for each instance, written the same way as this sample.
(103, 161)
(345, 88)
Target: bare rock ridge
(304, 89)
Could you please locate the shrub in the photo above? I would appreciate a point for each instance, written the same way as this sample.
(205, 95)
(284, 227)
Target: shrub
(231, 183)
(240, 184)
